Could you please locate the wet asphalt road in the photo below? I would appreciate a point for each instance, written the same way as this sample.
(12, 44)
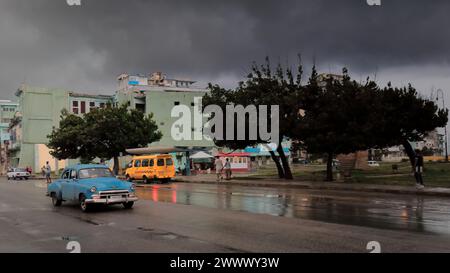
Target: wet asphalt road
(209, 218)
(420, 214)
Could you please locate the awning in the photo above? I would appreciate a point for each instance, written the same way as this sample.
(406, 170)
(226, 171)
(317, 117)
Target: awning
(201, 155)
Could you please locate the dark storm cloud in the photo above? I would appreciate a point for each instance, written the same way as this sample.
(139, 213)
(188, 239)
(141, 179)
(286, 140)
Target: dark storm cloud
(46, 42)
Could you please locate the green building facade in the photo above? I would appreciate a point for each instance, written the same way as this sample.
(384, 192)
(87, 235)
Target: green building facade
(40, 110)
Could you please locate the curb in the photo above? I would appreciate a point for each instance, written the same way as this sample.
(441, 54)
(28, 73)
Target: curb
(412, 191)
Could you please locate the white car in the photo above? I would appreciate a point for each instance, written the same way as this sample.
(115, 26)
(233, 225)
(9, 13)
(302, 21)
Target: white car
(18, 173)
(373, 164)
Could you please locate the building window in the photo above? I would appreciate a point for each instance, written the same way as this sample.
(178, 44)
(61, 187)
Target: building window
(83, 107)
(102, 105)
(91, 105)
(75, 107)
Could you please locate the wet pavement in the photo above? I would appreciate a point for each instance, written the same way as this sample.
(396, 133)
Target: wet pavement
(422, 214)
(195, 218)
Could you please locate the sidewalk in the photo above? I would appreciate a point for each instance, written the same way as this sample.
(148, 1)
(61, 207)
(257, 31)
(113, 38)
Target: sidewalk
(340, 186)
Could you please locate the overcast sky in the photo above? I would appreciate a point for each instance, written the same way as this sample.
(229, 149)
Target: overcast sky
(47, 43)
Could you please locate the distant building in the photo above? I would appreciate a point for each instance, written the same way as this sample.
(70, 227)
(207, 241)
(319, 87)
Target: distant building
(7, 111)
(40, 111)
(432, 147)
(158, 94)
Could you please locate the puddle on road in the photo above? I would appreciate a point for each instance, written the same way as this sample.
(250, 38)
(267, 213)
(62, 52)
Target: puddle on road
(413, 213)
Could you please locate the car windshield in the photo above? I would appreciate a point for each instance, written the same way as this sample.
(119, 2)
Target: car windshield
(94, 173)
(21, 170)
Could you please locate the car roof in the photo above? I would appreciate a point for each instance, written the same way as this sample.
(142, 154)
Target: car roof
(86, 166)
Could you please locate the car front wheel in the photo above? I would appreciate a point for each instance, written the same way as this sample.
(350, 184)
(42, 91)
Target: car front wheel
(55, 201)
(85, 207)
(128, 205)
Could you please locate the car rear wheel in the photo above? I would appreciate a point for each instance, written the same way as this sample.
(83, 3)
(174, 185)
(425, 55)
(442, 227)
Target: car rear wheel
(85, 207)
(128, 205)
(55, 201)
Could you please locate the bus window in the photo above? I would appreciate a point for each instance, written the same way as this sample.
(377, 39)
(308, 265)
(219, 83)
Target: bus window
(152, 163)
(145, 163)
(160, 162)
(169, 162)
(137, 163)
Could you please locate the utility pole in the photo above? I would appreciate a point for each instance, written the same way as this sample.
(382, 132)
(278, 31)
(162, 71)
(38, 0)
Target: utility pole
(440, 92)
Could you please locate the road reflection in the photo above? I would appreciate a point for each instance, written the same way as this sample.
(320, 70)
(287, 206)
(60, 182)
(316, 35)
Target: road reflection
(405, 212)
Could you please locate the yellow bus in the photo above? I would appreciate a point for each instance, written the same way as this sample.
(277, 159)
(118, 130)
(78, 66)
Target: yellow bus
(151, 168)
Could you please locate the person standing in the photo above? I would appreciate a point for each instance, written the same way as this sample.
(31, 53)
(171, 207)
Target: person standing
(48, 172)
(227, 168)
(218, 164)
(418, 169)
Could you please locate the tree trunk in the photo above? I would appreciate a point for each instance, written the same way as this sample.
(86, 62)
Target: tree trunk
(284, 161)
(277, 163)
(330, 167)
(410, 152)
(116, 165)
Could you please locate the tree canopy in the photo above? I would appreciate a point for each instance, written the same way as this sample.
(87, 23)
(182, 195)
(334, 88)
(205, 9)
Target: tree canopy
(331, 115)
(102, 133)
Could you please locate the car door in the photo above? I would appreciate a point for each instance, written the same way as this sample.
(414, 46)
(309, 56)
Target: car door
(65, 186)
(137, 169)
(152, 168)
(74, 188)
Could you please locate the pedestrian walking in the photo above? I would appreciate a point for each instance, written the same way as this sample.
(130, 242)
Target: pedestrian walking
(218, 164)
(48, 172)
(418, 169)
(227, 168)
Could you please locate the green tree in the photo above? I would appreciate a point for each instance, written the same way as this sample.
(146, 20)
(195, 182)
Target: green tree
(69, 140)
(335, 117)
(343, 116)
(403, 116)
(103, 133)
(263, 87)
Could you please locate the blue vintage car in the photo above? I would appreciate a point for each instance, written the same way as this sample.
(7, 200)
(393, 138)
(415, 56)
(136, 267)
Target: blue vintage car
(89, 185)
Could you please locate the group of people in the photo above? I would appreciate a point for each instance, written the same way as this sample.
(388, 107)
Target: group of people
(220, 167)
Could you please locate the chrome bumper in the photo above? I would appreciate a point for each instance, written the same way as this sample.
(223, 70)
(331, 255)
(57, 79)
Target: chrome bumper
(97, 199)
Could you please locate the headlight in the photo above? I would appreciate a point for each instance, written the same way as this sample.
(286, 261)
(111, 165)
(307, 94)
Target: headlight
(132, 187)
(93, 189)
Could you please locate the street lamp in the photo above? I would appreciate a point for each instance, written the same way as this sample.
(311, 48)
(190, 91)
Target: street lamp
(439, 91)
